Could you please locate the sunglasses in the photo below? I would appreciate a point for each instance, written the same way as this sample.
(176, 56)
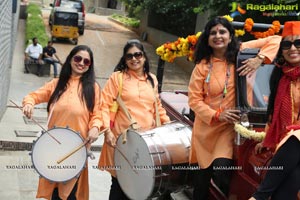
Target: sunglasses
(132, 41)
(137, 55)
(78, 59)
(285, 45)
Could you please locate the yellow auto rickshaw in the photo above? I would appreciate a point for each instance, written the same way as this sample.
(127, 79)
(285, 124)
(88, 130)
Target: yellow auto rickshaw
(64, 24)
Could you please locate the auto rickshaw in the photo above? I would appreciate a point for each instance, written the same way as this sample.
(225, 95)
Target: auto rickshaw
(65, 25)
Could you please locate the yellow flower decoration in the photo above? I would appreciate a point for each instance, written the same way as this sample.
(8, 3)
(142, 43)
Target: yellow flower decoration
(186, 46)
(181, 47)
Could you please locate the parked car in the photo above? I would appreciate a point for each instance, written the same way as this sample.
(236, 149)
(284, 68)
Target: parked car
(246, 179)
(71, 4)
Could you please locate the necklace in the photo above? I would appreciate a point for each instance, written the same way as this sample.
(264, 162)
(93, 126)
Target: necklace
(208, 77)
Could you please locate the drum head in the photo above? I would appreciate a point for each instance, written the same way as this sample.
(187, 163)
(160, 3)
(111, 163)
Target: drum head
(137, 178)
(46, 152)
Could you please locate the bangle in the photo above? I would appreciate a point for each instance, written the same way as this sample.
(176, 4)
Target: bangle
(261, 57)
(217, 115)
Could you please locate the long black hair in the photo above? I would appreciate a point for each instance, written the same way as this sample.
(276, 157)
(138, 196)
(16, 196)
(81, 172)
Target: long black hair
(87, 80)
(122, 66)
(275, 77)
(203, 50)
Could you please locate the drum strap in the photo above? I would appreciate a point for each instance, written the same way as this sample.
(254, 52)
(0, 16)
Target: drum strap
(133, 124)
(157, 118)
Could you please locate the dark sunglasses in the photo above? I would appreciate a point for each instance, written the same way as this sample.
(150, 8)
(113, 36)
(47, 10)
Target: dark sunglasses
(285, 45)
(137, 55)
(78, 59)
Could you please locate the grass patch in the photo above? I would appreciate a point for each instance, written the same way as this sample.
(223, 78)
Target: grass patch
(132, 22)
(35, 26)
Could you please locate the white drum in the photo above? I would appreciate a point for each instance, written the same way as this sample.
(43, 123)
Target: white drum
(151, 162)
(47, 152)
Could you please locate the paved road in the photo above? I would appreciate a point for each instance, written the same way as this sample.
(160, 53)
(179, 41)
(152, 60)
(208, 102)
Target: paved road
(106, 39)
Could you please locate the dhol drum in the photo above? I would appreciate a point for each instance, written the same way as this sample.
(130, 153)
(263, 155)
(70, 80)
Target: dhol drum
(153, 162)
(46, 153)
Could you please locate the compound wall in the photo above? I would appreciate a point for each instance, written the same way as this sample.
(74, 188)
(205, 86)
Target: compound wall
(9, 14)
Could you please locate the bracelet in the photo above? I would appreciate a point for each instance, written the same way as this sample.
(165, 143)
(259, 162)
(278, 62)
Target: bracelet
(261, 57)
(217, 115)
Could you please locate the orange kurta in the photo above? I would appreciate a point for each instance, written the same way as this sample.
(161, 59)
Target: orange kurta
(138, 96)
(68, 111)
(211, 140)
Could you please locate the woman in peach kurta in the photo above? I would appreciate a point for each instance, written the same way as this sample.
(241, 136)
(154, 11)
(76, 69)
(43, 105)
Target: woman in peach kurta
(212, 98)
(282, 132)
(73, 101)
(139, 91)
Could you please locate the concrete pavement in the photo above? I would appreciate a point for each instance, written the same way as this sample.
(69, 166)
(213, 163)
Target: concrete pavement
(18, 178)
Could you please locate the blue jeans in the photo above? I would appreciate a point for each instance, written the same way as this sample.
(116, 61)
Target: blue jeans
(52, 62)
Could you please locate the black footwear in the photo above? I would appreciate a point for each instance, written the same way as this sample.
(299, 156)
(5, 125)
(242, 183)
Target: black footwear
(26, 72)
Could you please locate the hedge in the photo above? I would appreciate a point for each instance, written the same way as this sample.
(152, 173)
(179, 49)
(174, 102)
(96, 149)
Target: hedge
(35, 26)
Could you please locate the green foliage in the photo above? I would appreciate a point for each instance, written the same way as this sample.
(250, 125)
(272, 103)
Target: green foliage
(33, 9)
(133, 7)
(35, 26)
(132, 22)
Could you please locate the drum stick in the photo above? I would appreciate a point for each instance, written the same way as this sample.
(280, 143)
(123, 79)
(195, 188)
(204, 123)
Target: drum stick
(77, 148)
(125, 159)
(37, 124)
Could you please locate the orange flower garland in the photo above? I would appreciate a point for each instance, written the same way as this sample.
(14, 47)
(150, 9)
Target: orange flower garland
(274, 29)
(186, 46)
(181, 47)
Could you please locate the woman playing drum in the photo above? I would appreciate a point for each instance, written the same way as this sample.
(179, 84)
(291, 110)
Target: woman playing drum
(74, 101)
(139, 93)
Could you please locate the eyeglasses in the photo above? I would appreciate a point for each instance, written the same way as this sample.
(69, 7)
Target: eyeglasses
(285, 45)
(137, 55)
(78, 59)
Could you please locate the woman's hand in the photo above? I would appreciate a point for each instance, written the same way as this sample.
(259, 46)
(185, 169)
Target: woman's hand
(249, 66)
(110, 139)
(259, 148)
(92, 135)
(28, 110)
(230, 116)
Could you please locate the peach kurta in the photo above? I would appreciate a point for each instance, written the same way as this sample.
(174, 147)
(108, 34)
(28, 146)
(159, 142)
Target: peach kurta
(69, 111)
(211, 140)
(138, 96)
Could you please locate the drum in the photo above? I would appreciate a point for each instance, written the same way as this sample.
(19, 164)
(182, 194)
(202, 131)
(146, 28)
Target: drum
(46, 153)
(153, 162)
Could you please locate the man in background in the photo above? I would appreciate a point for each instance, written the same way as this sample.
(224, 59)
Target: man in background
(50, 57)
(33, 54)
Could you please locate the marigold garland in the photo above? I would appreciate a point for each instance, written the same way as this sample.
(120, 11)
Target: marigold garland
(186, 46)
(181, 47)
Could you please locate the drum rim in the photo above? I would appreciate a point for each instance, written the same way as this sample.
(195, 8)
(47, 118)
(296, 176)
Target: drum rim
(40, 174)
(153, 182)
